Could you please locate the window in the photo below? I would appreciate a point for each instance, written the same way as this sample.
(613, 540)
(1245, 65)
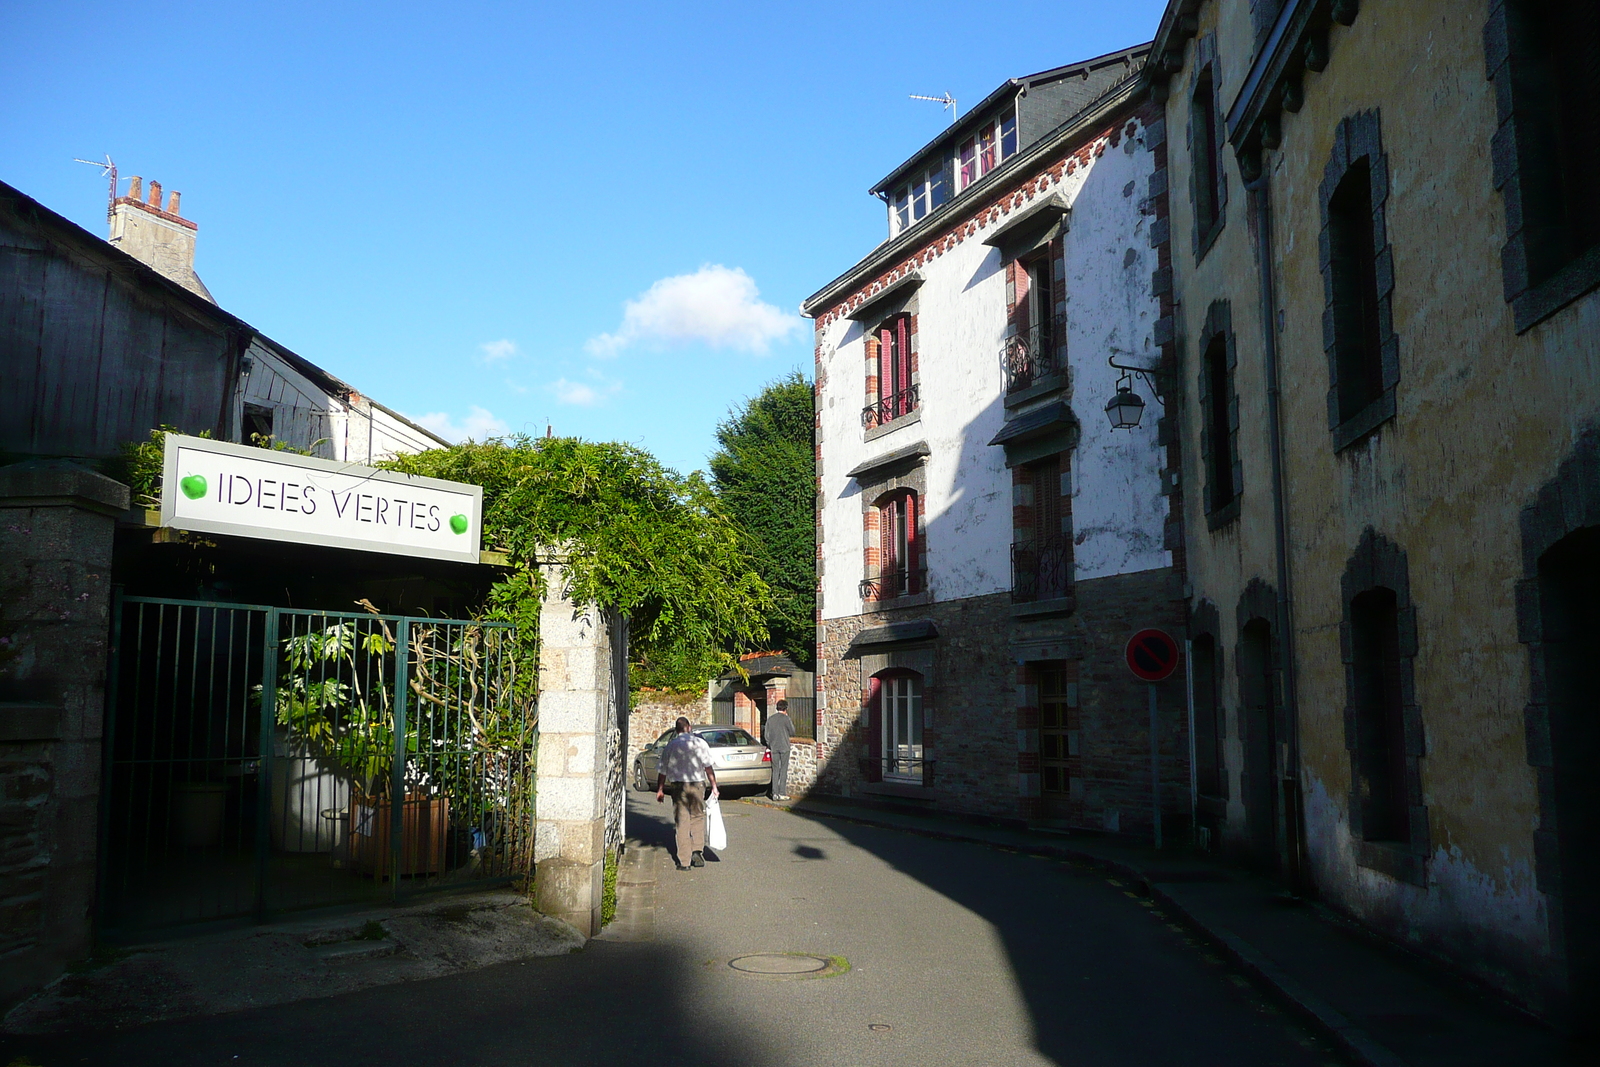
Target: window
(986, 149)
(901, 700)
(1358, 280)
(1355, 292)
(1219, 403)
(1380, 723)
(1056, 729)
(1206, 160)
(1032, 352)
(919, 197)
(1041, 556)
(897, 393)
(899, 562)
(257, 422)
(1544, 56)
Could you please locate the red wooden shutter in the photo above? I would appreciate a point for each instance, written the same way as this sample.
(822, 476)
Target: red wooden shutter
(913, 548)
(873, 722)
(887, 563)
(885, 370)
(903, 326)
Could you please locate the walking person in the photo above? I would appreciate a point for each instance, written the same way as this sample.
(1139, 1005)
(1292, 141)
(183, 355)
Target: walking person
(776, 732)
(687, 765)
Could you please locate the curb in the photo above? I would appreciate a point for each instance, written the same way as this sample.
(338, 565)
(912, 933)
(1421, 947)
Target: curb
(1349, 1038)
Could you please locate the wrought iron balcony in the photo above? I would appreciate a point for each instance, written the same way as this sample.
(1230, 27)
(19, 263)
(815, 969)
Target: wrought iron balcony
(1041, 569)
(894, 583)
(1034, 353)
(891, 407)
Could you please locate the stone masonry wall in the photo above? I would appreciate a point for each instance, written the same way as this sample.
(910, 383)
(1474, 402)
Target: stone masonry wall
(980, 715)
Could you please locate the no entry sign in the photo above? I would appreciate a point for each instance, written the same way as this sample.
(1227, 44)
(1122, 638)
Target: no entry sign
(1152, 655)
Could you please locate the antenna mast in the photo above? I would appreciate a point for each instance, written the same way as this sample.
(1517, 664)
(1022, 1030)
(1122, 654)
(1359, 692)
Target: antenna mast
(109, 171)
(947, 100)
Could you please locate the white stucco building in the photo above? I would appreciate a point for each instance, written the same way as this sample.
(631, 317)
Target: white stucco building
(987, 541)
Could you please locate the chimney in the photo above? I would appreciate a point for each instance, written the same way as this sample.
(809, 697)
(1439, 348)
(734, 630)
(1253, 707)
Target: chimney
(161, 239)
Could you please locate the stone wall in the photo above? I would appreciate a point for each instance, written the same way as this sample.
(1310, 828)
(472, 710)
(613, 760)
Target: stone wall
(56, 527)
(652, 717)
(981, 722)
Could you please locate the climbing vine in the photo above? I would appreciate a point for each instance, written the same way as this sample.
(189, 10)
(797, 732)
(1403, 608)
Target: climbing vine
(634, 537)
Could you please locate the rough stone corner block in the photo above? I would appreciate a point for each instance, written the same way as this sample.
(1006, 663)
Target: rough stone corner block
(56, 518)
(579, 691)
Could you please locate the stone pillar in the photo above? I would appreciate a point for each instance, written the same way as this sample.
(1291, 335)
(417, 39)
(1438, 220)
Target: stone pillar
(57, 522)
(577, 707)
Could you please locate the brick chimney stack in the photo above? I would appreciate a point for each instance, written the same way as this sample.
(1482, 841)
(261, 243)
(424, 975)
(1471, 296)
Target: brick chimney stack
(160, 238)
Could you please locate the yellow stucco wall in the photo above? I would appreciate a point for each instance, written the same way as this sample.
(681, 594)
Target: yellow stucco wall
(1483, 419)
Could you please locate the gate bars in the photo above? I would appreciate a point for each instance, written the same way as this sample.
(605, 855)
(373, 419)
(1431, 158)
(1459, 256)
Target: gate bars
(262, 759)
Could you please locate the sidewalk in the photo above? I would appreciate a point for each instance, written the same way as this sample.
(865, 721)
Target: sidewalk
(1379, 1003)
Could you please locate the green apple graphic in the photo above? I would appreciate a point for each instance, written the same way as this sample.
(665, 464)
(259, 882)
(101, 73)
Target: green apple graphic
(194, 486)
(458, 523)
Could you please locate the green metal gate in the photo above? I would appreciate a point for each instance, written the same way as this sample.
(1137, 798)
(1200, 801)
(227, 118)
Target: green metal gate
(254, 757)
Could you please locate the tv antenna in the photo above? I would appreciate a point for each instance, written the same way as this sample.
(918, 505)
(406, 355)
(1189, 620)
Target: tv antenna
(947, 100)
(109, 170)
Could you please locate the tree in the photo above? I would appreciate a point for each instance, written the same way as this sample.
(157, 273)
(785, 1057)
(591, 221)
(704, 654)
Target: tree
(638, 538)
(765, 474)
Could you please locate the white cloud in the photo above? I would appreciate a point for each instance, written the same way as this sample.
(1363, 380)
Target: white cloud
(585, 394)
(714, 305)
(479, 425)
(495, 351)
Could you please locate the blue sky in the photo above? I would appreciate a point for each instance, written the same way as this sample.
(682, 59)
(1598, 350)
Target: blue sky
(494, 216)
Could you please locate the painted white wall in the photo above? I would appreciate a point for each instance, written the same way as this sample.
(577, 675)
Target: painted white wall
(1118, 509)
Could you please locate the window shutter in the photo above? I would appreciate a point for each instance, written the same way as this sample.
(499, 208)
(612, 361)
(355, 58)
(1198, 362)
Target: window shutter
(885, 363)
(913, 543)
(903, 328)
(887, 563)
(872, 720)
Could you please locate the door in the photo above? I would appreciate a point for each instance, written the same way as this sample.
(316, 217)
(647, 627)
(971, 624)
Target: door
(1058, 731)
(1259, 721)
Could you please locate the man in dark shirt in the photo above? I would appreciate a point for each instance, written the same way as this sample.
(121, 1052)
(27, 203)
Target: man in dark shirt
(776, 732)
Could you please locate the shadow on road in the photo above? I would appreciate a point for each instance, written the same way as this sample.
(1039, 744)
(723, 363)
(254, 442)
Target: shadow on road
(608, 1003)
(1104, 978)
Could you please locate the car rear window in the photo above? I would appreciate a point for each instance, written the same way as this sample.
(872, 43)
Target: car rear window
(730, 738)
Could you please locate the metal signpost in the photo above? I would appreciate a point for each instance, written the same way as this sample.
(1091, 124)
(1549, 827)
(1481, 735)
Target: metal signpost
(1152, 656)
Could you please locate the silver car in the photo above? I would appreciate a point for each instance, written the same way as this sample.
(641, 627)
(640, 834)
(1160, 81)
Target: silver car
(741, 760)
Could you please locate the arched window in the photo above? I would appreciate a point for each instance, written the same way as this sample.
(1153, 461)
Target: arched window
(900, 570)
(896, 737)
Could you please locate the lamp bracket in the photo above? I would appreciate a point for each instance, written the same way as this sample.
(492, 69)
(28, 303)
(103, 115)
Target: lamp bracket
(1151, 376)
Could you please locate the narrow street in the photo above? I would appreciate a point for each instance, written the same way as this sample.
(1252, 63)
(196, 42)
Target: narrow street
(957, 954)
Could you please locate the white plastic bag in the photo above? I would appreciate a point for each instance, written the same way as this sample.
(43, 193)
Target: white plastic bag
(716, 829)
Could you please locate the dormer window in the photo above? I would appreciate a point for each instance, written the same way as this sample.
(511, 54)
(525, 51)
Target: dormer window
(986, 149)
(917, 199)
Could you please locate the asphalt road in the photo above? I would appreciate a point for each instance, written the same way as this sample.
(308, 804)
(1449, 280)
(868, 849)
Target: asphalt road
(957, 954)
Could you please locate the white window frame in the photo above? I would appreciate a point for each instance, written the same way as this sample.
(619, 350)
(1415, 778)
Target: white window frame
(914, 201)
(900, 697)
(1000, 135)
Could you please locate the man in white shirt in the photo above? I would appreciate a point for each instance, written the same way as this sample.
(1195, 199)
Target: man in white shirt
(687, 764)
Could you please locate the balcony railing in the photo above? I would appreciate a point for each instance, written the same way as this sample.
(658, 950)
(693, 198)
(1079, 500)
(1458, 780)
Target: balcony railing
(894, 583)
(891, 407)
(1041, 569)
(1034, 353)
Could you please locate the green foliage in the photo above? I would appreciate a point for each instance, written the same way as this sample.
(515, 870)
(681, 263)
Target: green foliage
(337, 718)
(141, 463)
(765, 477)
(634, 537)
(608, 889)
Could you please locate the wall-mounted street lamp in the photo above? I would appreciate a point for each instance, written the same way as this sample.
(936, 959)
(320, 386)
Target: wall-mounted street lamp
(1127, 407)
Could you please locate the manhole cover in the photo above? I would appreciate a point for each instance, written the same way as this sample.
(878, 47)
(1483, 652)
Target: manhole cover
(779, 963)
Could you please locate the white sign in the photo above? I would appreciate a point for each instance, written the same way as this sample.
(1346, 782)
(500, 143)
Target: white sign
(217, 487)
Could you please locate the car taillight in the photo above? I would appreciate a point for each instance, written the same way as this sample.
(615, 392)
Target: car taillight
(766, 757)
